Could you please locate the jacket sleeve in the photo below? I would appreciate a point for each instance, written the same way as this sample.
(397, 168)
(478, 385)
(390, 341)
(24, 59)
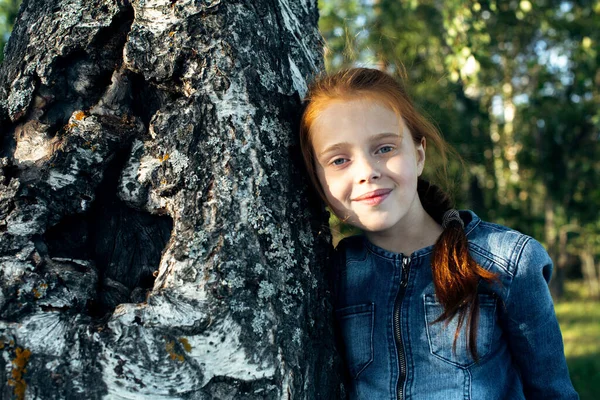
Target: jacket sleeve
(532, 328)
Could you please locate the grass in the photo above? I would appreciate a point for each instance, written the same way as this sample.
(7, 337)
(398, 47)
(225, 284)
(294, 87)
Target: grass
(579, 319)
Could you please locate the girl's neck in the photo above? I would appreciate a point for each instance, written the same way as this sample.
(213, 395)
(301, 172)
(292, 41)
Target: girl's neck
(415, 231)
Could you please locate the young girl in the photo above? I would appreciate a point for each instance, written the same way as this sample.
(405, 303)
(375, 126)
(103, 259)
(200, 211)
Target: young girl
(430, 303)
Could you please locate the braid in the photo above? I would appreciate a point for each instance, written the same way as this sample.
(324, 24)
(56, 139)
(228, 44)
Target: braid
(434, 200)
(456, 275)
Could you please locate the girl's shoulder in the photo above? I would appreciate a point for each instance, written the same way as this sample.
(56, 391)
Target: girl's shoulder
(504, 247)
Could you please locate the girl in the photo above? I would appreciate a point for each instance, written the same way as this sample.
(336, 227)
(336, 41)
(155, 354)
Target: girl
(430, 303)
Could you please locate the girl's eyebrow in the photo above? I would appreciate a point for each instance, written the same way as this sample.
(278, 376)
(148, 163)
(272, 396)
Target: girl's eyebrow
(385, 135)
(333, 147)
(379, 136)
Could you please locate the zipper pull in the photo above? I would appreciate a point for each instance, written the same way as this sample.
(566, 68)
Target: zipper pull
(405, 264)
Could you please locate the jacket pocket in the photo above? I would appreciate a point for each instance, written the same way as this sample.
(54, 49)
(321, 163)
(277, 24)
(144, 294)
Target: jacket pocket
(440, 335)
(356, 329)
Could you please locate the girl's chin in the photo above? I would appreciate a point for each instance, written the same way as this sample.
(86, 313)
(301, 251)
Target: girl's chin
(376, 226)
(372, 222)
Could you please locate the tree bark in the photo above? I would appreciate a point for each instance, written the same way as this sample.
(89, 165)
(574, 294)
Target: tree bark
(156, 236)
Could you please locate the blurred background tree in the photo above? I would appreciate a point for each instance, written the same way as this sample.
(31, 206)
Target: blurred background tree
(514, 87)
(8, 13)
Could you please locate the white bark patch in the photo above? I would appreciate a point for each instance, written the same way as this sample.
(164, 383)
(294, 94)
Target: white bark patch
(155, 15)
(129, 187)
(46, 332)
(158, 312)
(223, 355)
(178, 161)
(136, 175)
(297, 78)
(13, 270)
(167, 272)
(297, 30)
(32, 146)
(138, 367)
(148, 164)
(166, 366)
(58, 180)
(83, 159)
(21, 224)
(157, 202)
(13, 267)
(234, 103)
(305, 5)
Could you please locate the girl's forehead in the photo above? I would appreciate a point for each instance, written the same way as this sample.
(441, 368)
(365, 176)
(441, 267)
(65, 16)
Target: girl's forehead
(364, 105)
(366, 116)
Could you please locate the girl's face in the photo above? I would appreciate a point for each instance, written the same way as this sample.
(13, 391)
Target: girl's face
(367, 164)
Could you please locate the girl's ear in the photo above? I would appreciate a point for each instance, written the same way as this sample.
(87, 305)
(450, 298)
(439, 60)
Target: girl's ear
(421, 155)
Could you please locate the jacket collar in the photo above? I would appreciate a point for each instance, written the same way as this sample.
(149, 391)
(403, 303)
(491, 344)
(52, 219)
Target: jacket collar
(470, 221)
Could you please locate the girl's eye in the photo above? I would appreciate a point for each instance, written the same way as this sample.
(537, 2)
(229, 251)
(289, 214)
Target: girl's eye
(338, 161)
(384, 149)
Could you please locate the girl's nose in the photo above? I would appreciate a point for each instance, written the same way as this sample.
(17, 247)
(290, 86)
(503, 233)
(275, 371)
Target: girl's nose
(367, 170)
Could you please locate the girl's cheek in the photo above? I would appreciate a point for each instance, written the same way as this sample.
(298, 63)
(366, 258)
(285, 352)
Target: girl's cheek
(335, 184)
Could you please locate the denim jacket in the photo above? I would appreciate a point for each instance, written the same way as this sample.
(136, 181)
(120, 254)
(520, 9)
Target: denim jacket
(385, 307)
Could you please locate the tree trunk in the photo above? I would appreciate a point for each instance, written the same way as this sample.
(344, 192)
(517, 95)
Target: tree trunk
(591, 274)
(551, 238)
(156, 239)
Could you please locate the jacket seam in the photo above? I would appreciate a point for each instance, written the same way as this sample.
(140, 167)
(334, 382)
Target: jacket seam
(526, 240)
(468, 385)
(471, 229)
(504, 265)
(370, 251)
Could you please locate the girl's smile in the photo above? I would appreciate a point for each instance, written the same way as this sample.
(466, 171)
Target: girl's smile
(375, 197)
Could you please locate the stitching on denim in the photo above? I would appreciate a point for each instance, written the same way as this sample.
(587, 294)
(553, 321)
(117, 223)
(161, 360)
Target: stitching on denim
(429, 342)
(526, 241)
(371, 341)
(352, 259)
(518, 250)
(344, 248)
(427, 331)
(379, 255)
(415, 257)
(412, 257)
(498, 228)
(475, 225)
(468, 384)
(475, 248)
(394, 256)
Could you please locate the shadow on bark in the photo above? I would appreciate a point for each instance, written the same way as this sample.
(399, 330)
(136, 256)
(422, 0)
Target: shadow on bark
(124, 244)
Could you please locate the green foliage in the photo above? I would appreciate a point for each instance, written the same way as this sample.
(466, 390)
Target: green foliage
(8, 13)
(342, 23)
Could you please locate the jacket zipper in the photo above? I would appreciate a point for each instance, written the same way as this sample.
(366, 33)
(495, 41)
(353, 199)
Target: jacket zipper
(397, 335)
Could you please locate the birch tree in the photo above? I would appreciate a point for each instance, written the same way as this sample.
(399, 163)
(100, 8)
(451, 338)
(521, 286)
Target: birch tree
(156, 237)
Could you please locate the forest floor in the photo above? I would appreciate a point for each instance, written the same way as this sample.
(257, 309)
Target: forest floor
(579, 318)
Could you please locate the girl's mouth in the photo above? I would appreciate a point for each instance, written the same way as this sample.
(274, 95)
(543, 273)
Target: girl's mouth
(374, 198)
